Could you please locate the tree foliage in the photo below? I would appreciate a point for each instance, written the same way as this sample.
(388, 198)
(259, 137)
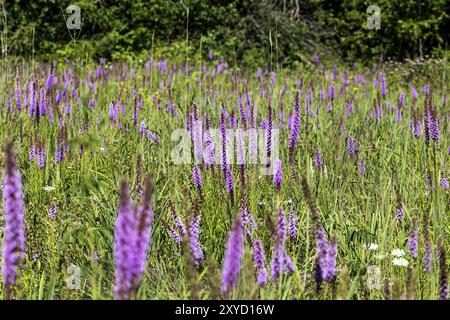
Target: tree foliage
(251, 31)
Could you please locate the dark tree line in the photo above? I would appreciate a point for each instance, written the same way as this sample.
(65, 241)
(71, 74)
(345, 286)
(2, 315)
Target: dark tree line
(250, 31)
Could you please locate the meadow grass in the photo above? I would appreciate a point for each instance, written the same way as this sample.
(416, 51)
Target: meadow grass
(360, 208)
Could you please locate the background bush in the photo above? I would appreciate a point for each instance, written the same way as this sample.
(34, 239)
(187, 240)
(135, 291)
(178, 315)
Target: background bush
(249, 31)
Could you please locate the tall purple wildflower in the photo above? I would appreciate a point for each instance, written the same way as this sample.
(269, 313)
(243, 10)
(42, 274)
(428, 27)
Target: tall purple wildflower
(52, 211)
(444, 182)
(233, 257)
(427, 257)
(414, 93)
(132, 238)
(281, 226)
(18, 94)
(194, 242)
(269, 135)
(295, 129)
(223, 133)
(197, 178)
(124, 244)
(318, 159)
(229, 181)
(41, 156)
(351, 147)
(276, 265)
(433, 125)
(197, 136)
(33, 102)
(177, 221)
(278, 174)
(14, 230)
(43, 103)
(400, 211)
(331, 260)
(413, 240)
(144, 219)
(361, 167)
(259, 258)
(383, 85)
(292, 225)
(246, 217)
(416, 125)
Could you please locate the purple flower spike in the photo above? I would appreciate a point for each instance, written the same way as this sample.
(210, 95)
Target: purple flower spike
(233, 257)
(281, 226)
(197, 179)
(413, 240)
(331, 260)
(124, 244)
(258, 257)
(383, 85)
(18, 94)
(132, 239)
(288, 264)
(14, 230)
(276, 266)
(52, 211)
(444, 182)
(292, 225)
(400, 211)
(278, 174)
(144, 219)
(295, 129)
(351, 147)
(194, 233)
(427, 257)
(318, 159)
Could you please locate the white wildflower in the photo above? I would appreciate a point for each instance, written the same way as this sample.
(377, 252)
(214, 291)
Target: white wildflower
(48, 188)
(371, 246)
(402, 262)
(398, 252)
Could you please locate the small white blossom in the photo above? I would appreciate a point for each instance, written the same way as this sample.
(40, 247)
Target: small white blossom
(402, 262)
(398, 253)
(49, 188)
(371, 246)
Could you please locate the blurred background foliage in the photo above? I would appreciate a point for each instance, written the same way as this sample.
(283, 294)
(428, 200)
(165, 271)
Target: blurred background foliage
(248, 32)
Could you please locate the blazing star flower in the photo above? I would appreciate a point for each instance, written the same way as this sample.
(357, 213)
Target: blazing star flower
(427, 257)
(278, 174)
(318, 159)
(443, 274)
(124, 244)
(292, 225)
(194, 233)
(14, 230)
(276, 264)
(258, 257)
(444, 182)
(295, 129)
(233, 257)
(132, 238)
(197, 178)
(52, 211)
(351, 147)
(413, 241)
(400, 211)
(18, 94)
